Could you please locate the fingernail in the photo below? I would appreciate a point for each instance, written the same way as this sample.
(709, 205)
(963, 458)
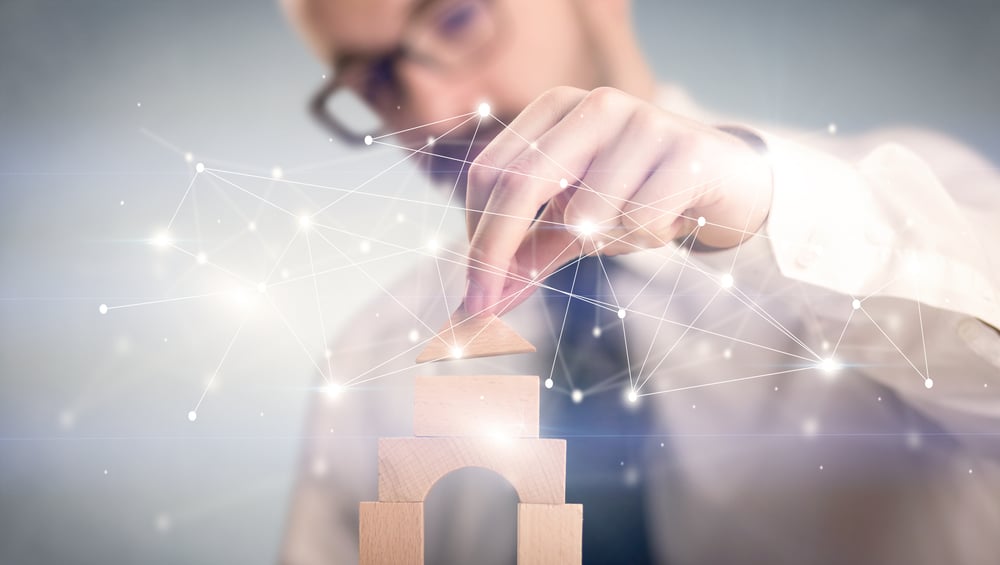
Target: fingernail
(475, 297)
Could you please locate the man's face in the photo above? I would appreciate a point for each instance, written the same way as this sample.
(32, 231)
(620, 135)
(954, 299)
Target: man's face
(524, 48)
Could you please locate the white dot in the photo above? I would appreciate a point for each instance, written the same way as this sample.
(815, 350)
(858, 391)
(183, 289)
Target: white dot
(105, 471)
(829, 366)
(701, 221)
(549, 383)
(138, 104)
(284, 273)
(304, 221)
(533, 273)
(432, 245)
(333, 390)
(103, 308)
(199, 168)
(929, 383)
(633, 396)
(832, 128)
(328, 354)
(856, 304)
(577, 395)
(534, 146)
(727, 353)
(596, 332)
(400, 218)
(121, 202)
(413, 336)
(621, 314)
(586, 228)
(192, 416)
(484, 110)
(252, 226)
(277, 173)
(970, 471)
(726, 280)
(365, 246)
(430, 140)
(456, 352)
(695, 167)
(820, 467)
(368, 140)
(825, 345)
(563, 183)
(201, 258)
(161, 240)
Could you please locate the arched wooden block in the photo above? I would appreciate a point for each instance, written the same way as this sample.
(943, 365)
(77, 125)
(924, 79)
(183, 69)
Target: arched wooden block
(391, 533)
(465, 336)
(409, 467)
(549, 534)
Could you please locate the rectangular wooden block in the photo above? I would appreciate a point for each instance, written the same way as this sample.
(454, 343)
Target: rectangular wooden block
(392, 533)
(549, 534)
(505, 406)
(409, 467)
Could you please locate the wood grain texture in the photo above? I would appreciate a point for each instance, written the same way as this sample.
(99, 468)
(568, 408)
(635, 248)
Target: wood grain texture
(409, 467)
(549, 534)
(466, 337)
(486, 406)
(392, 533)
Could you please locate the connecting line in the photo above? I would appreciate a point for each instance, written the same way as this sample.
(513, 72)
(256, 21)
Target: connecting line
(893, 343)
(687, 327)
(842, 333)
(236, 276)
(376, 283)
(384, 171)
(467, 115)
(298, 340)
(181, 203)
(319, 309)
(569, 301)
(241, 189)
(736, 380)
(222, 361)
(165, 300)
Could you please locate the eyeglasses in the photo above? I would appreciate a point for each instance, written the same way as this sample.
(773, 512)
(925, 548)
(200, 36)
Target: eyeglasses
(444, 35)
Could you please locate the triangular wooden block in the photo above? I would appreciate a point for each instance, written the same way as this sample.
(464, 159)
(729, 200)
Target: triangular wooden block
(465, 337)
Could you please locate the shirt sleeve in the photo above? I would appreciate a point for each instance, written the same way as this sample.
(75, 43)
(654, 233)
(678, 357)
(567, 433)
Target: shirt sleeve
(892, 228)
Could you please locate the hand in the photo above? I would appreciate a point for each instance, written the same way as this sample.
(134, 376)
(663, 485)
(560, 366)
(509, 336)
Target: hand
(611, 174)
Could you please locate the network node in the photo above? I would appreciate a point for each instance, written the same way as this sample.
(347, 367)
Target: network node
(534, 146)
(103, 308)
(456, 352)
(192, 416)
(533, 273)
(695, 167)
(484, 110)
(252, 226)
(199, 168)
(121, 202)
(368, 140)
(856, 304)
(365, 246)
(596, 332)
(304, 221)
(586, 228)
(413, 336)
(333, 390)
(633, 396)
(261, 288)
(161, 240)
(621, 313)
(701, 221)
(832, 128)
(201, 258)
(727, 353)
(188, 157)
(549, 383)
(400, 218)
(277, 173)
(929, 383)
(430, 140)
(829, 366)
(577, 395)
(328, 354)
(432, 245)
(563, 183)
(726, 280)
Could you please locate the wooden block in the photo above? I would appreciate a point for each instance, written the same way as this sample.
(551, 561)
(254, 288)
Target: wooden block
(466, 337)
(409, 467)
(549, 534)
(488, 406)
(392, 533)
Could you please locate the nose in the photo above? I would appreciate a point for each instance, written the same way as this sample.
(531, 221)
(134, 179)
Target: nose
(428, 97)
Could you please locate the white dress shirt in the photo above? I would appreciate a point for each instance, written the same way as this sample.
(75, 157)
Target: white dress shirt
(799, 426)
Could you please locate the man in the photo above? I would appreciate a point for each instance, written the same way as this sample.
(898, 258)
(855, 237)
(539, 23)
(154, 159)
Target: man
(800, 363)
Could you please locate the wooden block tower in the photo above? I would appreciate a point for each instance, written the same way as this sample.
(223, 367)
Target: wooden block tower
(473, 421)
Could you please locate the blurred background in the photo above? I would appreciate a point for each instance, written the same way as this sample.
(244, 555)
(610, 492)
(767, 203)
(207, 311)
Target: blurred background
(107, 106)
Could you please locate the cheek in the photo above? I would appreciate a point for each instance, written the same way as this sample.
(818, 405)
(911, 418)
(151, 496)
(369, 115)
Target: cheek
(539, 52)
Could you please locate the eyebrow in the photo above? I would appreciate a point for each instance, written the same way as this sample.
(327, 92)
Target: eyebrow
(344, 57)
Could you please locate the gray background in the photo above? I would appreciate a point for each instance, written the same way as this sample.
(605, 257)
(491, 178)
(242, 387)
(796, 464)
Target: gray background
(100, 100)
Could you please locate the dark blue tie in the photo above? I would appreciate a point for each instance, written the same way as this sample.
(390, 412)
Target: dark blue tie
(605, 439)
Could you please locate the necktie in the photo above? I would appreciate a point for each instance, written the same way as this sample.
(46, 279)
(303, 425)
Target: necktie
(605, 435)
